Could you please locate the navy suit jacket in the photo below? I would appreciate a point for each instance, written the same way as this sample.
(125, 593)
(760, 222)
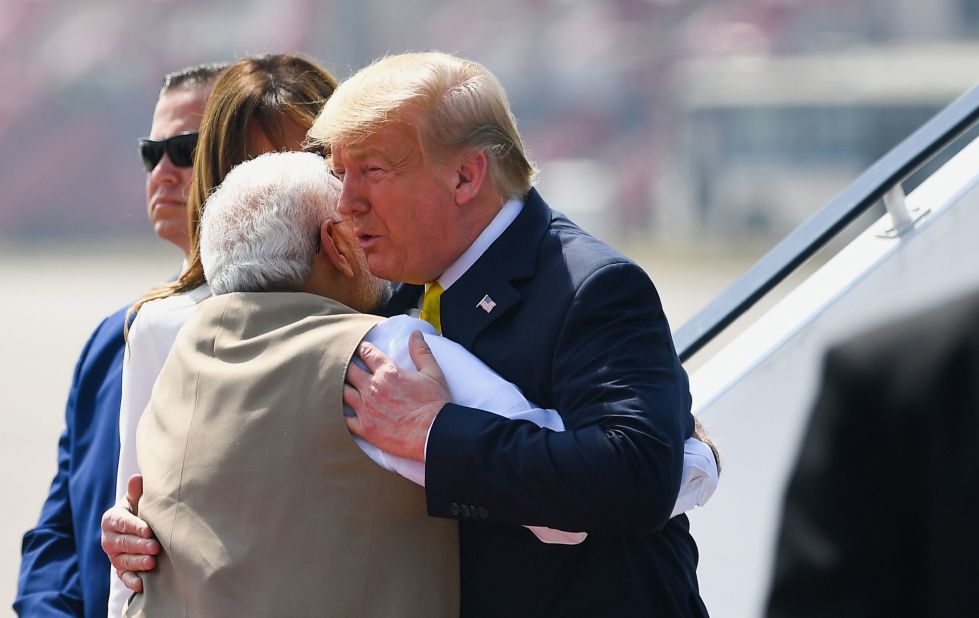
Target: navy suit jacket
(63, 570)
(579, 328)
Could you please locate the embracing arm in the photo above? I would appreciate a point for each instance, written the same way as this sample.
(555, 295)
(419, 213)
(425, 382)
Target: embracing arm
(625, 402)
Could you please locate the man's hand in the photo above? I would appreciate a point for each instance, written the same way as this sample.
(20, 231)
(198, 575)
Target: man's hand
(127, 540)
(396, 408)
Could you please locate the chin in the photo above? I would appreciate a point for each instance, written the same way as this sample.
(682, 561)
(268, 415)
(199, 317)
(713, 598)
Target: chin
(180, 241)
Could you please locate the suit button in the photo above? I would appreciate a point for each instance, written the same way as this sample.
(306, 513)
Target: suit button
(465, 510)
(454, 509)
(483, 513)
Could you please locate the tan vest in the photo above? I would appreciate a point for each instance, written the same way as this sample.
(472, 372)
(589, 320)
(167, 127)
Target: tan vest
(262, 503)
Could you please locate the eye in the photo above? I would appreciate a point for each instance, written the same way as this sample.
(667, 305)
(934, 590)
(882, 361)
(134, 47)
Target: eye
(373, 171)
(338, 174)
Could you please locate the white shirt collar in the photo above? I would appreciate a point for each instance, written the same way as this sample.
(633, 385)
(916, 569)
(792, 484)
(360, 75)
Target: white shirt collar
(494, 230)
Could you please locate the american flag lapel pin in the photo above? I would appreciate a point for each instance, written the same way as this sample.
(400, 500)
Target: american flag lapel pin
(486, 304)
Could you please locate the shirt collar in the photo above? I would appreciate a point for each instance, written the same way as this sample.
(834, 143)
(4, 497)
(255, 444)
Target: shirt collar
(494, 230)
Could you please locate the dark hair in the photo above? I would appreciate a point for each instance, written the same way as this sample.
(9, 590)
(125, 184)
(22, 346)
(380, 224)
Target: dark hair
(197, 75)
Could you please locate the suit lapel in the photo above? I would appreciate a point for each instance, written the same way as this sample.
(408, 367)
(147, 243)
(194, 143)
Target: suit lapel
(487, 291)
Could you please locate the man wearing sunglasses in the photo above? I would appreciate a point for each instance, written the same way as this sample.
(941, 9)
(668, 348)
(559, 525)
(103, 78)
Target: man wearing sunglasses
(169, 162)
(64, 571)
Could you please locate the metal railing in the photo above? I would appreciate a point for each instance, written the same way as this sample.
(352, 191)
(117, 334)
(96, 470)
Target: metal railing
(882, 177)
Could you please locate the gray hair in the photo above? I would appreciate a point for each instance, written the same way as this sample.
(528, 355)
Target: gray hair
(261, 227)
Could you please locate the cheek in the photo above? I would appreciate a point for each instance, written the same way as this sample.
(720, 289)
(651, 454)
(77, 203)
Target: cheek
(185, 175)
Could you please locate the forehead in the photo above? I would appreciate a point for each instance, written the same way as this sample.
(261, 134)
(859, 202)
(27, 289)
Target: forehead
(178, 111)
(393, 142)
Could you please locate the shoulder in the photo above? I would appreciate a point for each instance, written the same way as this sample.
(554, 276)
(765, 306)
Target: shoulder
(589, 265)
(914, 353)
(932, 332)
(108, 336)
(168, 314)
(567, 247)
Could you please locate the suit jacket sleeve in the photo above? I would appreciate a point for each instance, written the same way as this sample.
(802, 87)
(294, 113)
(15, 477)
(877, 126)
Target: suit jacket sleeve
(624, 398)
(48, 584)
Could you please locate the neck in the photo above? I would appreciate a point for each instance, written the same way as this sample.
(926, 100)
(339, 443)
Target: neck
(340, 289)
(474, 221)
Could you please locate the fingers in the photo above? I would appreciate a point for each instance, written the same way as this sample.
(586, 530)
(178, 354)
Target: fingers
(134, 491)
(422, 356)
(127, 541)
(124, 544)
(130, 553)
(128, 561)
(353, 400)
(131, 580)
(372, 357)
(119, 520)
(353, 424)
(358, 377)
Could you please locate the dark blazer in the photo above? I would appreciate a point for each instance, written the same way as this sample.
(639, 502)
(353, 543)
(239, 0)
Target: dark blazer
(63, 571)
(882, 511)
(579, 328)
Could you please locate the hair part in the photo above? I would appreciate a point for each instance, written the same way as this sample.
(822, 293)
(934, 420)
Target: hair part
(261, 227)
(456, 104)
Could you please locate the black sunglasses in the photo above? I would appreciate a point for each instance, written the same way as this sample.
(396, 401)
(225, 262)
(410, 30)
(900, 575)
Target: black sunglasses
(180, 149)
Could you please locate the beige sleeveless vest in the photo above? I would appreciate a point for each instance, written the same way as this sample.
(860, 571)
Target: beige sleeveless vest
(262, 503)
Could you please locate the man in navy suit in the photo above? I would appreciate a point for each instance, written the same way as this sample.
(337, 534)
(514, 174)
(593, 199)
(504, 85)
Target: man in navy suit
(63, 570)
(437, 187)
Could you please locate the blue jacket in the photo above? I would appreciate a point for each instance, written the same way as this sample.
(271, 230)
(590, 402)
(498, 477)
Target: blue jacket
(63, 570)
(579, 328)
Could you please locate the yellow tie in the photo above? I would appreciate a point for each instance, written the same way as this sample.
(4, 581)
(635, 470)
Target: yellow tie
(430, 305)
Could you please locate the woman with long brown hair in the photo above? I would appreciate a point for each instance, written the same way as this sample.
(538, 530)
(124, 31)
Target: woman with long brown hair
(259, 104)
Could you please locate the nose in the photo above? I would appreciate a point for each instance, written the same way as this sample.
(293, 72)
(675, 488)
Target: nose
(166, 172)
(351, 202)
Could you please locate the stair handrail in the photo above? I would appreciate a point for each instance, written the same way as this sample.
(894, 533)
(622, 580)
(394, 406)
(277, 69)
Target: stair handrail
(815, 232)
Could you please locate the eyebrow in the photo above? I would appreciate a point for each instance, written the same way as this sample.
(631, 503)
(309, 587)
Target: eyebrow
(360, 152)
(355, 152)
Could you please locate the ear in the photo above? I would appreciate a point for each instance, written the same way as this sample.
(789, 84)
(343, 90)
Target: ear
(471, 173)
(330, 249)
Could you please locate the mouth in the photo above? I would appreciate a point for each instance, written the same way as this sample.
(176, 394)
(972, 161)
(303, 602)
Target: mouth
(366, 239)
(168, 202)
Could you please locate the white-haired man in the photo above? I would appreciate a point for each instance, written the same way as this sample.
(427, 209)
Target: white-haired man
(237, 424)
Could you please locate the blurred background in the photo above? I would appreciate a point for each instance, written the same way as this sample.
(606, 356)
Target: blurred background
(691, 134)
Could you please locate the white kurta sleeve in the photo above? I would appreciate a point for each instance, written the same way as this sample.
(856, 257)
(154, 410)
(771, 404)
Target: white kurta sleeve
(471, 383)
(474, 384)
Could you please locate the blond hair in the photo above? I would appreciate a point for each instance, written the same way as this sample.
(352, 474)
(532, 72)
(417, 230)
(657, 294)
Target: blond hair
(453, 102)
